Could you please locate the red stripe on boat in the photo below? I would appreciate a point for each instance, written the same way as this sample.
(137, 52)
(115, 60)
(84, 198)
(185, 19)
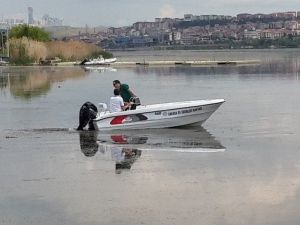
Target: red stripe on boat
(117, 120)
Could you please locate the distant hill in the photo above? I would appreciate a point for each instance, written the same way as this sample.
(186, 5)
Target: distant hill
(59, 32)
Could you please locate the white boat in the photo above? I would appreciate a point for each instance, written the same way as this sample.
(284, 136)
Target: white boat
(3, 63)
(100, 61)
(163, 115)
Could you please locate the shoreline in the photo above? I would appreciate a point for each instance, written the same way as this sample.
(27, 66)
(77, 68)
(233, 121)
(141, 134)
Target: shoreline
(187, 63)
(194, 48)
(154, 63)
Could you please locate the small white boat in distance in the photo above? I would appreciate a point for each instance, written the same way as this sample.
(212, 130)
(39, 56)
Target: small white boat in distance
(100, 61)
(163, 115)
(3, 63)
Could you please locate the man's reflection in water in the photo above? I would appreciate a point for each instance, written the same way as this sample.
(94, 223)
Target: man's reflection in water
(124, 157)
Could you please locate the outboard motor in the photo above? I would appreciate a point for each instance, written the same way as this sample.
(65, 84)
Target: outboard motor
(87, 113)
(82, 63)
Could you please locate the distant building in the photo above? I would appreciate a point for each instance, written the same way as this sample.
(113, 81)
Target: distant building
(175, 37)
(188, 17)
(276, 25)
(273, 33)
(134, 33)
(51, 21)
(145, 25)
(243, 16)
(10, 22)
(180, 19)
(252, 34)
(191, 17)
(262, 26)
(30, 15)
(291, 25)
(291, 14)
(201, 29)
(19, 21)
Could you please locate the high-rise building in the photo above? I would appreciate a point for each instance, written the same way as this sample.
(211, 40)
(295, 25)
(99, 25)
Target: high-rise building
(30, 15)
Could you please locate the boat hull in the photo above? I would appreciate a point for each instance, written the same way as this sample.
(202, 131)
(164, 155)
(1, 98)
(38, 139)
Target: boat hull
(159, 116)
(99, 62)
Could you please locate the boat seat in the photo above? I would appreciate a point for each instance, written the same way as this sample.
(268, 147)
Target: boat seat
(102, 107)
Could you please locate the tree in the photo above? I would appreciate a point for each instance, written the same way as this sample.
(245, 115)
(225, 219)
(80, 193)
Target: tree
(34, 33)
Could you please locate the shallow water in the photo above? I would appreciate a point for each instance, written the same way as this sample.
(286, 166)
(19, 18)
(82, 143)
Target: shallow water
(241, 167)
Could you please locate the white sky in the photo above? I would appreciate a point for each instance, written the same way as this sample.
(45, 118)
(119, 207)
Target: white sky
(126, 12)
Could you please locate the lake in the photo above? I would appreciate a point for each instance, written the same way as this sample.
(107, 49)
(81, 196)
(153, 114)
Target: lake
(241, 167)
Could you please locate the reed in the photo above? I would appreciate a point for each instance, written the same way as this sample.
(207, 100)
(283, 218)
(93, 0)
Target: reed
(71, 50)
(26, 51)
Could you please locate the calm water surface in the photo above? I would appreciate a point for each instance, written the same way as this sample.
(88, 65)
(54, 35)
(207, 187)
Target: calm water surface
(241, 167)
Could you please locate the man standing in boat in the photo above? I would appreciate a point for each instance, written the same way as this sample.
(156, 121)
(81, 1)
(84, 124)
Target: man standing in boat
(125, 92)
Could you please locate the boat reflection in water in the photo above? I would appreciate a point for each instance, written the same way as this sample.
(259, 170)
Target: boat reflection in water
(100, 69)
(127, 146)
